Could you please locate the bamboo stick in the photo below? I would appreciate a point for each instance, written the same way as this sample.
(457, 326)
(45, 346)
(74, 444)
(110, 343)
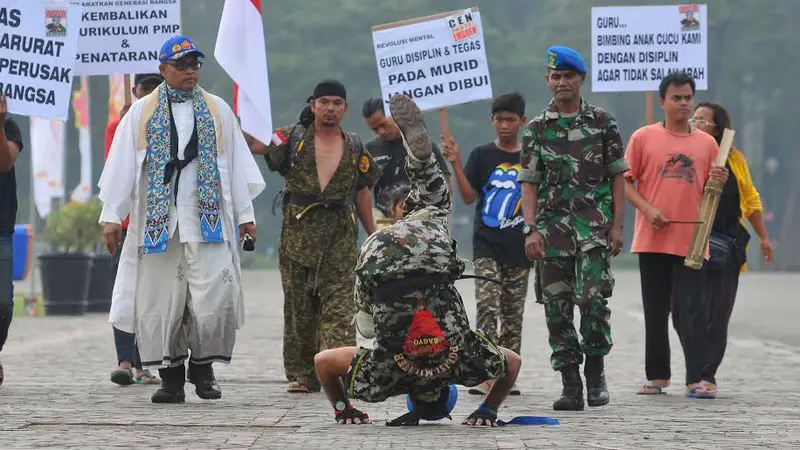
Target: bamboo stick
(708, 208)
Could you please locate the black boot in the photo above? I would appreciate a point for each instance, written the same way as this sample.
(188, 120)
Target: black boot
(572, 394)
(596, 389)
(171, 390)
(205, 383)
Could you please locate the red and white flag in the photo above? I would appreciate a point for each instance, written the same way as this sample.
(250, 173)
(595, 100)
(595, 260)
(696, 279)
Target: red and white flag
(242, 53)
(278, 138)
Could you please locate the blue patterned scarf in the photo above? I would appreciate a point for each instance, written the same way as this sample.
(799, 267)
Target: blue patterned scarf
(156, 227)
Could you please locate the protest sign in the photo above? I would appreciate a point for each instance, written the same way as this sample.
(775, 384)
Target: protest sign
(439, 60)
(37, 53)
(634, 47)
(124, 36)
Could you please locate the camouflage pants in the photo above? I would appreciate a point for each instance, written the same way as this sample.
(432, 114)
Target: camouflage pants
(385, 371)
(584, 280)
(501, 302)
(317, 310)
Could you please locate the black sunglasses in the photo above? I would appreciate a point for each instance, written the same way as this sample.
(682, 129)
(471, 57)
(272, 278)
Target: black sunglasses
(183, 65)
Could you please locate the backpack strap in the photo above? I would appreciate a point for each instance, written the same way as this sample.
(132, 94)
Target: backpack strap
(356, 151)
(295, 144)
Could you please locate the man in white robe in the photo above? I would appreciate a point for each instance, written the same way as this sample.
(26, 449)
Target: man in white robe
(180, 166)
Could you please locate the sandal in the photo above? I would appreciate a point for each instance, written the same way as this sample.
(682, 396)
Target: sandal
(145, 377)
(710, 387)
(297, 388)
(700, 390)
(650, 388)
(122, 377)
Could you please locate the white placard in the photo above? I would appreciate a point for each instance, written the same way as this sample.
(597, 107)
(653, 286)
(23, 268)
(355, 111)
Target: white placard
(38, 39)
(439, 61)
(634, 47)
(124, 35)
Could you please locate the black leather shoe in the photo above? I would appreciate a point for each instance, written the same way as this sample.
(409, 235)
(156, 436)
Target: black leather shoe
(171, 390)
(596, 389)
(572, 394)
(205, 384)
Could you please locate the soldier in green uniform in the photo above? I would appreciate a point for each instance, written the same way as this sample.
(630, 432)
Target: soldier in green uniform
(328, 176)
(572, 200)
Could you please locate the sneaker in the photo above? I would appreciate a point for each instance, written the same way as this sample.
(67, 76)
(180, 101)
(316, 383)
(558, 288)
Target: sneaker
(408, 118)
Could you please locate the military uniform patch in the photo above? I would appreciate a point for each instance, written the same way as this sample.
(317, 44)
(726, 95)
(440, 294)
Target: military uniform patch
(363, 164)
(525, 158)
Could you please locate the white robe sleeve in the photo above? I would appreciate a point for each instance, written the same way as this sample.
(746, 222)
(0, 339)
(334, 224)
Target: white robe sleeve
(246, 177)
(119, 173)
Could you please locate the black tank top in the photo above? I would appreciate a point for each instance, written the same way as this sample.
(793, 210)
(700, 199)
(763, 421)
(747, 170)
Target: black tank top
(729, 211)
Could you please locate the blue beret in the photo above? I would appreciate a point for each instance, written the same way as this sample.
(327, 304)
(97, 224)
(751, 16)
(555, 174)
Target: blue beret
(565, 58)
(177, 47)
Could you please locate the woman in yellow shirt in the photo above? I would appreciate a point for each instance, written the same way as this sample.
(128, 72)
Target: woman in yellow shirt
(739, 200)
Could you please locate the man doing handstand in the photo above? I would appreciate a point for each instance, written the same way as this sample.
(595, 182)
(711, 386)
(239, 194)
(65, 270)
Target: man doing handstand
(405, 292)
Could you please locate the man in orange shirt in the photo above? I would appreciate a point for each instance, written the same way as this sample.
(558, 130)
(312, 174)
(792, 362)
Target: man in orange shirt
(129, 368)
(670, 163)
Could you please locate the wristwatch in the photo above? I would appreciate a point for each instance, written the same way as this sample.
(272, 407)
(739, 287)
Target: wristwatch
(528, 229)
(340, 406)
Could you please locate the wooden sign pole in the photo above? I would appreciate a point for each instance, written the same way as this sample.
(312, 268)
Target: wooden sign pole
(708, 208)
(649, 100)
(127, 78)
(445, 124)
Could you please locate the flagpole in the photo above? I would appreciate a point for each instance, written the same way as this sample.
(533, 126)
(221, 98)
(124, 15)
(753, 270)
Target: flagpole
(32, 220)
(88, 164)
(64, 166)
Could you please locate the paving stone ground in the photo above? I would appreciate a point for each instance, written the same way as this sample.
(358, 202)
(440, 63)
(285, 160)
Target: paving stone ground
(57, 393)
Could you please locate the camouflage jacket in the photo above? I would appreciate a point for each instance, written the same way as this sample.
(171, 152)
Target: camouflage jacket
(309, 235)
(419, 243)
(573, 161)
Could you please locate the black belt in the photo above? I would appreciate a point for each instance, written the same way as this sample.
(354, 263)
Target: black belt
(308, 200)
(391, 290)
(394, 289)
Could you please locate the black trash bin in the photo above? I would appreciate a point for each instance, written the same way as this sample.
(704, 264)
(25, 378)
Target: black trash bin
(100, 285)
(65, 283)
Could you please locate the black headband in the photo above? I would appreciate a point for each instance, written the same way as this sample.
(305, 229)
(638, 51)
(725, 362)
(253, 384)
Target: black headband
(330, 88)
